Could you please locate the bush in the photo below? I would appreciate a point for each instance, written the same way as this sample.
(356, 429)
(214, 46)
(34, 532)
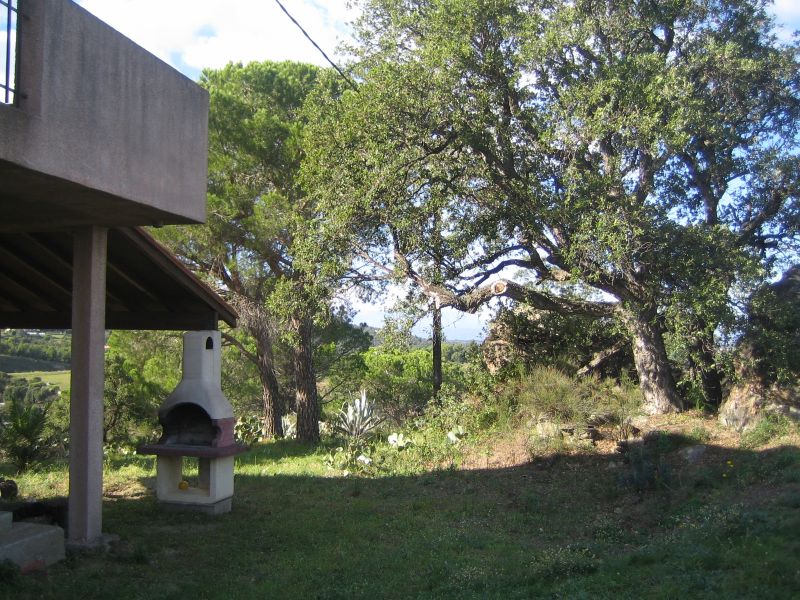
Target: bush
(766, 429)
(22, 437)
(550, 393)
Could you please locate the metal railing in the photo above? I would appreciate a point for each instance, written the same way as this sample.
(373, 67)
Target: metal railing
(8, 50)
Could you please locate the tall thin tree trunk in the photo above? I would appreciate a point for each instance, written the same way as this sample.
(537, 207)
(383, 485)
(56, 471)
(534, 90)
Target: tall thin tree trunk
(305, 382)
(652, 365)
(436, 334)
(272, 413)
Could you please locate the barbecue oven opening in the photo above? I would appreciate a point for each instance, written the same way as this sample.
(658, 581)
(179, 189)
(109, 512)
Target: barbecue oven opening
(188, 425)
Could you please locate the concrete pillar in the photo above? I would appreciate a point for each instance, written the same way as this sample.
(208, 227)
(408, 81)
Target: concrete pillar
(86, 390)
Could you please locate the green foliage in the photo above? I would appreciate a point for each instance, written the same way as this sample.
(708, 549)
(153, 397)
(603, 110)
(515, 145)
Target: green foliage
(400, 380)
(774, 330)
(22, 433)
(154, 355)
(567, 342)
(549, 392)
(258, 217)
(130, 402)
(339, 350)
(612, 153)
(32, 390)
(401, 383)
(248, 429)
(768, 428)
(51, 346)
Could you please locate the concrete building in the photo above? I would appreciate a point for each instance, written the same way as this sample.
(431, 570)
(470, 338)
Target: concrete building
(97, 137)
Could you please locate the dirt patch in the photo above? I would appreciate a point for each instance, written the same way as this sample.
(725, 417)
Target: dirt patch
(689, 428)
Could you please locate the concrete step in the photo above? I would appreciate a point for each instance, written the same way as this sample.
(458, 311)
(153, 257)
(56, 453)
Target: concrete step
(32, 546)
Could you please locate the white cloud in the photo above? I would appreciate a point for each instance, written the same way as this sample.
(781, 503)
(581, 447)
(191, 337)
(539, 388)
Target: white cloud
(194, 34)
(787, 18)
(787, 10)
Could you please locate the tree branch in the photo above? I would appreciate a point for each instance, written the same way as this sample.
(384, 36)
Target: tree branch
(240, 347)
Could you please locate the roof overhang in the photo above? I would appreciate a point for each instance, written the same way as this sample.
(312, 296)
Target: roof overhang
(146, 286)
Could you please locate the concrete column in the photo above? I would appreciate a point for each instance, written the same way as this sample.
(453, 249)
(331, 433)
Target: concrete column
(86, 390)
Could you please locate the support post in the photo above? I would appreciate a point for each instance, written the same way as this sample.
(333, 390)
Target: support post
(86, 389)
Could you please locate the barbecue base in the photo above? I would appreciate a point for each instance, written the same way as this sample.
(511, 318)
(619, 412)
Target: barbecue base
(213, 492)
(218, 508)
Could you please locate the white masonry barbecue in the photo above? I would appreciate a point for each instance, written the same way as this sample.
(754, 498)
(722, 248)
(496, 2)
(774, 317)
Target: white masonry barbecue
(197, 421)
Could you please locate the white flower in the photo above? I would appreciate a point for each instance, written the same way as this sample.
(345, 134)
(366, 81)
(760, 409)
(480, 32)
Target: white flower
(364, 459)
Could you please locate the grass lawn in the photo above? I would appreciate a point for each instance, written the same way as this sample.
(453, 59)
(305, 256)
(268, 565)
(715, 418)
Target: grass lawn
(59, 378)
(562, 526)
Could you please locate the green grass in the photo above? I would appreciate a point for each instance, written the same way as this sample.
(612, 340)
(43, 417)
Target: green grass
(726, 528)
(59, 378)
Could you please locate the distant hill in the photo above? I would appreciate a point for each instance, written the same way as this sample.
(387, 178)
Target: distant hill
(21, 364)
(34, 350)
(416, 341)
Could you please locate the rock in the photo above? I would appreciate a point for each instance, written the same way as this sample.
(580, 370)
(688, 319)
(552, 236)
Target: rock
(748, 401)
(627, 429)
(8, 489)
(692, 454)
(600, 419)
(757, 391)
(743, 406)
(548, 430)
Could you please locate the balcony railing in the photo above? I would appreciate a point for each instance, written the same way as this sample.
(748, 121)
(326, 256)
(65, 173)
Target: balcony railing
(8, 51)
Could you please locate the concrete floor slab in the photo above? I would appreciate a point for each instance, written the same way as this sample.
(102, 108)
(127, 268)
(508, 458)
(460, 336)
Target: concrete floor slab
(32, 546)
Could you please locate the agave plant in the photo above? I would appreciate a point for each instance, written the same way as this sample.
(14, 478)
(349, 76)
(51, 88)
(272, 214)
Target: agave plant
(358, 418)
(289, 426)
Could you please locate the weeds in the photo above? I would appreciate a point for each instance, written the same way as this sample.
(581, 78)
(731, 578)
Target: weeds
(767, 429)
(560, 563)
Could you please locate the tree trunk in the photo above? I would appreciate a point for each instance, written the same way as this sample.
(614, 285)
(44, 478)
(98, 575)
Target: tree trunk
(272, 424)
(305, 382)
(652, 365)
(437, 350)
(704, 364)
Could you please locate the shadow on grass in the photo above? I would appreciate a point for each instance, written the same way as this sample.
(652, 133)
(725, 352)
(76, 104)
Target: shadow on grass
(282, 449)
(726, 525)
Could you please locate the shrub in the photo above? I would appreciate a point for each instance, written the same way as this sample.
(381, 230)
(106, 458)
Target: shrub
(548, 392)
(766, 429)
(22, 437)
(248, 429)
(358, 418)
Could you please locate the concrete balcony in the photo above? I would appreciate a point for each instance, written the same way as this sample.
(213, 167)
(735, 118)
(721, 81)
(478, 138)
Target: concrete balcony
(101, 132)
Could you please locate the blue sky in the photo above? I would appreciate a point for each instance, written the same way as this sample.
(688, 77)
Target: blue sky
(194, 34)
